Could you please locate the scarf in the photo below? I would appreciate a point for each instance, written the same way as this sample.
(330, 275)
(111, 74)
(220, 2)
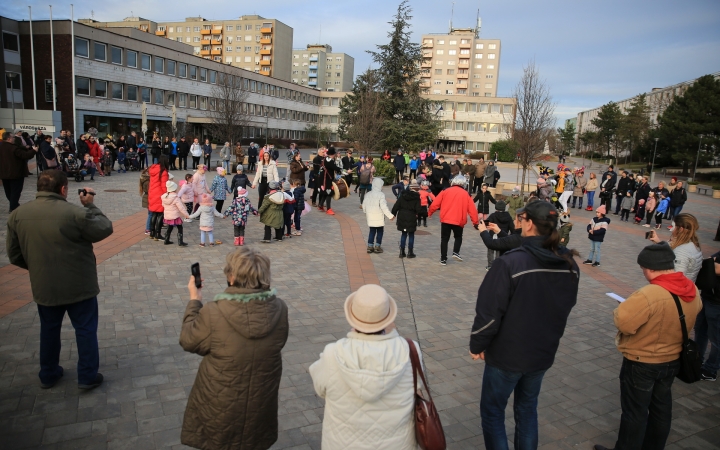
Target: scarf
(677, 283)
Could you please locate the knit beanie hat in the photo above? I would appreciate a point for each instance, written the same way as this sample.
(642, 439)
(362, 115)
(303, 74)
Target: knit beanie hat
(171, 186)
(286, 186)
(657, 257)
(242, 192)
(500, 206)
(516, 190)
(206, 200)
(602, 210)
(273, 185)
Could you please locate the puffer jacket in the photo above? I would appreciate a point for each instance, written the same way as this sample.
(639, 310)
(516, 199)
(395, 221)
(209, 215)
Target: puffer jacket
(591, 185)
(455, 205)
(207, 214)
(489, 177)
(375, 205)
(234, 400)
(367, 384)
(564, 233)
(174, 208)
(480, 169)
(239, 210)
(503, 220)
(219, 188)
(186, 193)
(406, 209)
(271, 210)
(483, 200)
(157, 188)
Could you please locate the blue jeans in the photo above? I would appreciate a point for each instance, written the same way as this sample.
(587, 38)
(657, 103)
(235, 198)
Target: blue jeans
(497, 386)
(211, 239)
(646, 402)
(591, 199)
(376, 231)
(707, 328)
(594, 251)
(404, 238)
(674, 211)
(147, 224)
(84, 318)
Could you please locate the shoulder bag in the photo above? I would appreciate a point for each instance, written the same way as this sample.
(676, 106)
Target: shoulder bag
(690, 361)
(50, 163)
(428, 429)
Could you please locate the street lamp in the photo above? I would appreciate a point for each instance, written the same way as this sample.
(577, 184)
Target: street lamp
(697, 157)
(267, 120)
(652, 166)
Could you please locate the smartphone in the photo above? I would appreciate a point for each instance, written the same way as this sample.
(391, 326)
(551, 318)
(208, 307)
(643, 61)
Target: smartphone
(648, 234)
(486, 222)
(195, 271)
(84, 192)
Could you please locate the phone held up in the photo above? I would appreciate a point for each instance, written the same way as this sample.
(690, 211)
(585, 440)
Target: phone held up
(84, 192)
(649, 234)
(195, 271)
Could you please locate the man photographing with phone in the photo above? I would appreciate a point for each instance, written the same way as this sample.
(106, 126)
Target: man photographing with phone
(41, 233)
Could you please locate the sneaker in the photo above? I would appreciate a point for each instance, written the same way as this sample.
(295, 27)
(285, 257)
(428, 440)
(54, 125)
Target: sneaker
(646, 225)
(98, 381)
(330, 212)
(320, 208)
(443, 262)
(707, 376)
(457, 256)
(595, 264)
(657, 227)
(378, 249)
(265, 241)
(587, 261)
(297, 233)
(670, 228)
(147, 232)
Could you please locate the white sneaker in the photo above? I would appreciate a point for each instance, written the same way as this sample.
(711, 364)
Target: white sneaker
(646, 226)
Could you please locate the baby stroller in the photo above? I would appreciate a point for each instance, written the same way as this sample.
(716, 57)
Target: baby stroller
(133, 161)
(71, 166)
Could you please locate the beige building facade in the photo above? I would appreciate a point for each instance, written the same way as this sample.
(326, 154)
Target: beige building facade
(317, 66)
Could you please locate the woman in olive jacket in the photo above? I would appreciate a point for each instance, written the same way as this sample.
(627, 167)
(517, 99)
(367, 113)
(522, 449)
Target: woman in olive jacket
(240, 335)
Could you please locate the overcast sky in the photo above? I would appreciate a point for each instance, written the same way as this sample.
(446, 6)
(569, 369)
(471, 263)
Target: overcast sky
(590, 52)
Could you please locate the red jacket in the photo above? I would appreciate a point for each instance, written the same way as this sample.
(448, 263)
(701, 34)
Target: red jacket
(94, 150)
(156, 188)
(454, 204)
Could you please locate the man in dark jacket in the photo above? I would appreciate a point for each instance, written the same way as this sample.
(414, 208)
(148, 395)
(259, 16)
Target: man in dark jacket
(678, 197)
(81, 148)
(624, 185)
(47, 151)
(324, 169)
(607, 184)
(132, 141)
(399, 164)
(70, 287)
(517, 348)
(13, 168)
(348, 163)
(183, 149)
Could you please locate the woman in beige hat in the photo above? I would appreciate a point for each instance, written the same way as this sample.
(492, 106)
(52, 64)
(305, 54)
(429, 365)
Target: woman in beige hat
(366, 378)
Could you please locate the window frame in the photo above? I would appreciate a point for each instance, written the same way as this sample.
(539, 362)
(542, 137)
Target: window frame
(112, 91)
(77, 86)
(156, 60)
(161, 92)
(112, 55)
(127, 58)
(95, 88)
(132, 88)
(142, 95)
(19, 78)
(17, 41)
(87, 47)
(193, 69)
(95, 47)
(142, 62)
(182, 100)
(182, 66)
(192, 101)
(170, 62)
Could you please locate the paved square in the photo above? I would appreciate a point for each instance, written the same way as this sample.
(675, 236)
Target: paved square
(148, 376)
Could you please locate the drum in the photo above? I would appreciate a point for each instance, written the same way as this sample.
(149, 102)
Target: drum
(340, 189)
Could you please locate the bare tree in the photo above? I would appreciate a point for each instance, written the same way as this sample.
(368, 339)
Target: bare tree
(535, 117)
(227, 109)
(361, 116)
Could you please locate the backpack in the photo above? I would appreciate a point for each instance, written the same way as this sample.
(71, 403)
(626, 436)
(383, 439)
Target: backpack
(365, 175)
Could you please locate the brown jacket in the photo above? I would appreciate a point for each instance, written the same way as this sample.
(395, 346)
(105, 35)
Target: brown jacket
(649, 326)
(13, 161)
(480, 169)
(234, 400)
(297, 172)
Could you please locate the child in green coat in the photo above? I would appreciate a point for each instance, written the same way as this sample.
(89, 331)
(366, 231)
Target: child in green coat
(515, 201)
(271, 212)
(565, 229)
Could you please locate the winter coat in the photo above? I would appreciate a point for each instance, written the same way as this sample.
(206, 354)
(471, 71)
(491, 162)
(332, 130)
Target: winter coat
(144, 184)
(239, 210)
(186, 193)
(271, 210)
(489, 176)
(564, 233)
(480, 169)
(375, 205)
(13, 161)
(688, 260)
(568, 185)
(272, 173)
(94, 150)
(503, 220)
(406, 210)
(426, 196)
(207, 215)
(663, 206)
(513, 204)
(207, 149)
(225, 153)
(650, 204)
(504, 242)
(592, 185)
(599, 227)
(399, 188)
(53, 239)
(455, 204)
(173, 206)
(624, 185)
(183, 148)
(196, 150)
(297, 171)
(414, 164)
(367, 383)
(580, 183)
(299, 195)
(157, 188)
(627, 203)
(483, 200)
(82, 148)
(199, 184)
(234, 399)
(219, 188)
(678, 197)
(239, 180)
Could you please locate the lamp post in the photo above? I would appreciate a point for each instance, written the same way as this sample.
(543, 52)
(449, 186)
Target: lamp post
(697, 157)
(267, 120)
(652, 166)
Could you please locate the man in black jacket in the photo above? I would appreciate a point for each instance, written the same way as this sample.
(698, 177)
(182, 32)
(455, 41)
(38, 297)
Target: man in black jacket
(399, 163)
(324, 169)
(82, 148)
(678, 197)
(625, 184)
(348, 163)
(517, 348)
(183, 150)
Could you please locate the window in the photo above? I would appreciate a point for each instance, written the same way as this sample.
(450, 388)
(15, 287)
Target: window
(507, 109)
(440, 52)
(248, 27)
(101, 89)
(193, 101)
(338, 66)
(228, 48)
(203, 103)
(452, 52)
(482, 127)
(187, 29)
(488, 85)
(82, 86)
(436, 91)
(487, 94)
(171, 98)
(489, 75)
(196, 29)
(437, 81)
(451, 71)
(171, 67)
(450, 82)
(12, 81)
(193, 72)
(491, 55)
(82, 47)
(182, 70)
(492, 46)
(132, 92)
(453, 42)
(188, 39)
(478, 55)
(229, 28)
(182, 100)
(213, 77)
(172, 29)
(161, 28)
(441, 41)
(465, 51)
(438, 71)
(470, 126)
(117, 91)
(479, 46)
(337, 74)
(196, 39)
(449, 92)
(159, 65)
(144, 61)
(116, 55)
(458, 126)
(495, 108)
(451, 63)
(493, 128)
(478, 66)
(439, 62)
(100, 51)
(10, 42)
(491, 67)
(145, 94)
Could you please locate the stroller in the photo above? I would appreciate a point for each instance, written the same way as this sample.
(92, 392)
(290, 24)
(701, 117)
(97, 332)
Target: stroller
(133, 161)
(71, 166)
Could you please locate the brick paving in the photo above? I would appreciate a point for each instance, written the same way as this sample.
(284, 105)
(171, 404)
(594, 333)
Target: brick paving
(148, 376)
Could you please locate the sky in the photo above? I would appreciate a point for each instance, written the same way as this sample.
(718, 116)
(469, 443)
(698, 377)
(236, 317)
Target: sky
(588, 52)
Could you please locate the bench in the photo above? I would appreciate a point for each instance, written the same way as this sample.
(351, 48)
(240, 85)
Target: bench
(703, 187)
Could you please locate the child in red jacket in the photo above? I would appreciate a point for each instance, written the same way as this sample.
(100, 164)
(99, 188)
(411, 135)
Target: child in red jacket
(426, 197)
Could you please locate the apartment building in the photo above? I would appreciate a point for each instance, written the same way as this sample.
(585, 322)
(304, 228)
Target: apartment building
(140, 23)
(12, 94)
(318, 67)
(460, 63)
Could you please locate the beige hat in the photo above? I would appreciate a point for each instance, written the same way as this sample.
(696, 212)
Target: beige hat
(370, 309)
(171, 186)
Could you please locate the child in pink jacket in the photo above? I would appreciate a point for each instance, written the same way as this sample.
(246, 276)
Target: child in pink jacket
(174, 211)
(187, 193)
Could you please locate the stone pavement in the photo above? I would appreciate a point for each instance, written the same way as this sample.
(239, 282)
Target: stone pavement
(148, 376)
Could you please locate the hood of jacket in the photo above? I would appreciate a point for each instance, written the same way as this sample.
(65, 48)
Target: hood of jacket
(503, 219)
(277, 197)
(677, 283)
(547, 258)
(377, 183)
(409, 195)
(253, 313)
(370, 364)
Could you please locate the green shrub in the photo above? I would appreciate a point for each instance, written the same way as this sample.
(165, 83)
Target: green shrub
(385, 170)
(505, 148)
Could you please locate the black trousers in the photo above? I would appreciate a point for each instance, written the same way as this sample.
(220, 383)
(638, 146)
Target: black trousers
(239, 230)
(445, 230)
(156, 223)
(262, 191)
(182, 162)
(325, 198)
(399, 175)
(219, 205)
(314, 195)
(13, 189)
(196, 161)
(278, 233)
(172, 162)
(206, 160)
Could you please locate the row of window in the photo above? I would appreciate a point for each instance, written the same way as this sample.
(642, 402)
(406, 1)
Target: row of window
(328, 58)
(478, 127)
(478, 46)
(459, 92)
(144, 61)
(119, 91)
(248, 27)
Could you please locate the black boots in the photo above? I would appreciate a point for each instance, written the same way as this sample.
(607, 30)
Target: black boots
(402, 252)
(180, 240)
(167, 236)
(410, 253)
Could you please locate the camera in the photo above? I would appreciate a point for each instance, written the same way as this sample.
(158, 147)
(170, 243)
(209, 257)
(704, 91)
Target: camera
(85, 192)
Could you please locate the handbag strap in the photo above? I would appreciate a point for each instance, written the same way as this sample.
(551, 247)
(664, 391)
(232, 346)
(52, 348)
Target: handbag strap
(682, 318)
(417, 368)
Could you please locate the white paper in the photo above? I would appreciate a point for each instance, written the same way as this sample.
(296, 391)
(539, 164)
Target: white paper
(614, 296)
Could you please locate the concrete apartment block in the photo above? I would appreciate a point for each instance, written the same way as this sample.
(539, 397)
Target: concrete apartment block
(319, 67)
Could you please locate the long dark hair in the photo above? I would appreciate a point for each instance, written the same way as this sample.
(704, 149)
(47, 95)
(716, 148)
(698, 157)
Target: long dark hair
(548, 228)
(164, 162)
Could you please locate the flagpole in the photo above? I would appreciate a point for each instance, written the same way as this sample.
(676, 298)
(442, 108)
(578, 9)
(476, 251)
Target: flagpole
(32, 60)
(72, 65)
(52, 60)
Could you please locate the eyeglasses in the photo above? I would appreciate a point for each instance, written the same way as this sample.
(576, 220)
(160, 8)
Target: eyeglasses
(521, 218)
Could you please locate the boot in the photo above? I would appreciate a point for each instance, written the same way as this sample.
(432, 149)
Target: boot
(402, 252)
(410, 253)
(242, 240)
(167, 237)
(370, 249)
(378, 249)
(237, 241)
(180, 240)
(580, 207)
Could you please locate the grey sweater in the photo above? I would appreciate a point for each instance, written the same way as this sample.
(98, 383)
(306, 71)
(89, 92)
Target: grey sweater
(627, 203)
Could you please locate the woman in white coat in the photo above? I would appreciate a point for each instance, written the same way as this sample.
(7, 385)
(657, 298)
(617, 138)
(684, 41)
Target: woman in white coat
(266, 172)
(376, 209)
(366, 379)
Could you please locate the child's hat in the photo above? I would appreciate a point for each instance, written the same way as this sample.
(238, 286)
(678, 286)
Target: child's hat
(274, 185)
(641, 201)
(242, 192)
(221, 171)
(500, 206)
(206, 200)
(564, 218)
(286, 186)
(602, 210)
(516, 190)
(171, 186)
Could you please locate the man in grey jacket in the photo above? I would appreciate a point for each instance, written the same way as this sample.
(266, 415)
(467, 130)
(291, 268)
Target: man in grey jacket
(53, 240)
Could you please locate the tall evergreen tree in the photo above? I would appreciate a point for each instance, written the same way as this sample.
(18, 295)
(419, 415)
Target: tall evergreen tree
(607, 123)
(408, 119)
(567, 137)
(635, 124)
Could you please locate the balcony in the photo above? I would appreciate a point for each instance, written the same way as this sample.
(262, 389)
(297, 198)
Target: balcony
(160, 33)
(312, 75)
(265, 62)
(205, 42)
(206, 32)
(464, 63)
(267, 73)
(427, 45)
(266, 30)
(427, 55)
(265, 51)
(204, 52)
(313, 59)
(462, 76)
(266, 40)
(215, 52)
(424, 84)
(468, 45)
(312, 83)
(426, 64)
